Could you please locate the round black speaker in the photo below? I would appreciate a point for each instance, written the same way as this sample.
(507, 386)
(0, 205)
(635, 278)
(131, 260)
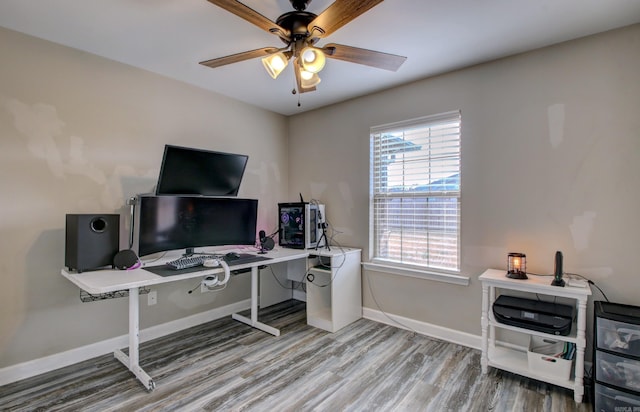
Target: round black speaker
(267, 243)
(125, 259)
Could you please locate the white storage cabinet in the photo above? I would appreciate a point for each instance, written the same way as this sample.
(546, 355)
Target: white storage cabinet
(334, 288)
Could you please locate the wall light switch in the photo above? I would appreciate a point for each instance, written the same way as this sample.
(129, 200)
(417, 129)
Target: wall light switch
(152, 297)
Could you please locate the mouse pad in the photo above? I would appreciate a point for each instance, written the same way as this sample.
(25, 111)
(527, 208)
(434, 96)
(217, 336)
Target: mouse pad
(245, 258)
(165, 270)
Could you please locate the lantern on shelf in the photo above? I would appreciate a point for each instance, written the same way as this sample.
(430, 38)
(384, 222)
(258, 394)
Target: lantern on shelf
(517, 266)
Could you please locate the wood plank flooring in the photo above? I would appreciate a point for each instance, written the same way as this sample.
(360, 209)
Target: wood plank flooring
(224, 365)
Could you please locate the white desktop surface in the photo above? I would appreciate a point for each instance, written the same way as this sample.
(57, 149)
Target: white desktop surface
(111, 280)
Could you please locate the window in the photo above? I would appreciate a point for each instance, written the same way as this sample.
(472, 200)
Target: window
(415, 192)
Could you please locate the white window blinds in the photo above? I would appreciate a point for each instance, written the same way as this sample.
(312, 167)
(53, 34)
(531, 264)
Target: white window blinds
(415, 191)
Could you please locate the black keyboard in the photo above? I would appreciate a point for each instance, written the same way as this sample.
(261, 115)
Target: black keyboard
(187, 262)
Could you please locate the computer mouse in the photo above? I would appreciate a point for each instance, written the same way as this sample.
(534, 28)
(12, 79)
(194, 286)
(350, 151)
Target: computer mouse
(232, 256)
(211, 263)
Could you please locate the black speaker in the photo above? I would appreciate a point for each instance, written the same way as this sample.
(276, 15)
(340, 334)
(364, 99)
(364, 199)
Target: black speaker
(91, 241)
(126, 259)
(557, 272)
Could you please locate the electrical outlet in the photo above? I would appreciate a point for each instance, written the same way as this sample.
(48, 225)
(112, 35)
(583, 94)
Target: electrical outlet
(152, 297)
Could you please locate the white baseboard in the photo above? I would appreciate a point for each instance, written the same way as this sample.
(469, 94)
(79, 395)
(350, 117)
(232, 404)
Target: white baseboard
(59, 360)
(423, 328)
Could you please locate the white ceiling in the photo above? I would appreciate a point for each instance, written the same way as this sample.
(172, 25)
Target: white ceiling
(170, 37)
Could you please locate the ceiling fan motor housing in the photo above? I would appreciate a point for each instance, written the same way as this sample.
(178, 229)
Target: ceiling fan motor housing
(296, 22)
(300, 4)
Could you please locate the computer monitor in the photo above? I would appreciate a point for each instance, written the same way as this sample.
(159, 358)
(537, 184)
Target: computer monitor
(186, 222)
(188, 171)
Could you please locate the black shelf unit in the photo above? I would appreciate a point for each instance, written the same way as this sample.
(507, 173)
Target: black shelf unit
(616, 357)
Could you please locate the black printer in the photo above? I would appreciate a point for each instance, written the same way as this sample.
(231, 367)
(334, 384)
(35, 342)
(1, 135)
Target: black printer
(547, 317)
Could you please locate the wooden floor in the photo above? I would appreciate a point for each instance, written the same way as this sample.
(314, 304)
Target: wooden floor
(227, 366)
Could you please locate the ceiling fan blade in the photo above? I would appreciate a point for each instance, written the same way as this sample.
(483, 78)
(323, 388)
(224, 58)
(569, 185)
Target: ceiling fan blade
(238, 57)
(252, 17)
(296, 70)
(337, 15)
(371, 58)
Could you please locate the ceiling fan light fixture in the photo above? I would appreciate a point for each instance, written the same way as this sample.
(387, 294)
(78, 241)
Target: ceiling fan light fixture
(275, 63)
(308, 79)
(313, 59)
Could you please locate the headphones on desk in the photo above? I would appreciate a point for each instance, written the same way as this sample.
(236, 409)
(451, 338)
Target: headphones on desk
(212, 281)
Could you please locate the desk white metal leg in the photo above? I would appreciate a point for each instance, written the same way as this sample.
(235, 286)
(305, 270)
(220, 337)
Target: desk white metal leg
(131, 361)
(253, 321)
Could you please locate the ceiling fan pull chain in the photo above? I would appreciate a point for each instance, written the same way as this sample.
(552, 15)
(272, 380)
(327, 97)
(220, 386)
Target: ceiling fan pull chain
(294, 92)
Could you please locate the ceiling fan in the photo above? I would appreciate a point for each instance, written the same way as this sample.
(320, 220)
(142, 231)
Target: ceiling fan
(300, 30)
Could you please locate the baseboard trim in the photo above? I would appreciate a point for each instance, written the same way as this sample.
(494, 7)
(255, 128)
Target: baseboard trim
(45, 364)
(424, 328)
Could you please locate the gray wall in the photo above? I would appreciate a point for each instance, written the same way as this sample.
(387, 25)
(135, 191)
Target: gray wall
(550, 161)
(81, 134)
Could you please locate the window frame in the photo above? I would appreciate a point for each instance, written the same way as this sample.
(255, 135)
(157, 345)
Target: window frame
(450, 275)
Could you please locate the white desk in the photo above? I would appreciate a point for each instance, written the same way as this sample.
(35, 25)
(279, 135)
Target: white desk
(105, 281)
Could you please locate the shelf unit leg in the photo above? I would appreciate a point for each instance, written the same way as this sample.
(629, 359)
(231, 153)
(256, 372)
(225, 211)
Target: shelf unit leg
(581, 343)
(484, 361)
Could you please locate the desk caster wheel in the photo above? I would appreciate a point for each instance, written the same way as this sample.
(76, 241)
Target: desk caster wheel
(152, 386)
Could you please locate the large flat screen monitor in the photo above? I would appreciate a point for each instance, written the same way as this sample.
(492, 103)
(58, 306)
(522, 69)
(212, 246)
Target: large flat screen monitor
(185, 222)
(187, 171)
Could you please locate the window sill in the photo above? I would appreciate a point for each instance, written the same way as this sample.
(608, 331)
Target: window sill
(417, 273)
